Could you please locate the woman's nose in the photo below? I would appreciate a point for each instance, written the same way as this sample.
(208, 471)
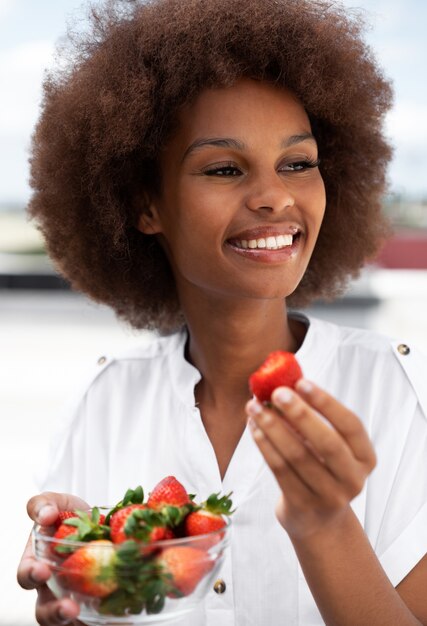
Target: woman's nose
(270, 193)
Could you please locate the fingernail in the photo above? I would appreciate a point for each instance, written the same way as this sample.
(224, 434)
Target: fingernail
(35, 578)
(65, 619)
(305, 386)
(283, 395)
(47, 511)
(254, 407)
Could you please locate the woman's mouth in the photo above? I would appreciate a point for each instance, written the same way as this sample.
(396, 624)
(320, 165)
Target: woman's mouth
(268, 248)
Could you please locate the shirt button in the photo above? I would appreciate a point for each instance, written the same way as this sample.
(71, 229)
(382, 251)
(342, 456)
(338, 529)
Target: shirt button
(102, 360)
(402, 348)
(219, 586)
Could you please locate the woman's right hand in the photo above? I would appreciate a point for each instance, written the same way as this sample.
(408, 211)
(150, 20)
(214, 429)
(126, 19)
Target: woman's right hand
(33, 574)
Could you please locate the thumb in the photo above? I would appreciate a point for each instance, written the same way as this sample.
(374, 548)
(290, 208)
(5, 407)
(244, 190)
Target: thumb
(44, 508)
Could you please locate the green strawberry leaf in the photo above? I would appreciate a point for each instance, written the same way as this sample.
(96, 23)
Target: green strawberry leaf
(219, 506)
(174, 515)
(88, 527)
(120, 602)
(132, 496)
(95, 515)
(141, 580)
(141, 522)
(65, 549)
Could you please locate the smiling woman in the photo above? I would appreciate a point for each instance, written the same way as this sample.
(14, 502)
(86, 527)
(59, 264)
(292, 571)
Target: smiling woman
(113, 111)
(201, 166)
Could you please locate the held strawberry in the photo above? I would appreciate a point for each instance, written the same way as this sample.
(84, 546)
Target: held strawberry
(90, 569)
(280, 369)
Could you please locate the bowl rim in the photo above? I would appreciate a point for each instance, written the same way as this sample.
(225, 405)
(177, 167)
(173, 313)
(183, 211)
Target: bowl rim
(161, 543)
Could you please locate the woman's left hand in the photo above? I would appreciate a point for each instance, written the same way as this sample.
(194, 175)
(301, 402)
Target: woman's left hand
(318, 451)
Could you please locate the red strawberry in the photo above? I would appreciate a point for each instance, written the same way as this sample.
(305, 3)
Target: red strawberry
(187, 566)
(161, 534)
(209, 519)
(138, 522)
(63, 532)
(90, 569)
(118, 522)
(280, 369)
(168, 492)
(63, 515)
(79, 526)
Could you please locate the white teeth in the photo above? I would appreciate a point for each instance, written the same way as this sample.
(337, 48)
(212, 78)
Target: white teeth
(271, 243)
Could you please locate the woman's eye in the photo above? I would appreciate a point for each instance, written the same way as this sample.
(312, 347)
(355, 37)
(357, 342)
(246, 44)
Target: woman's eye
(300, 166)
(223, 170)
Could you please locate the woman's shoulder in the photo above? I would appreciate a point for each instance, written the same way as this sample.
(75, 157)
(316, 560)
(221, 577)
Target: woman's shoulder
(119, 371)
(367, 355)
(371, 343)
(148, 350)
(150, 353)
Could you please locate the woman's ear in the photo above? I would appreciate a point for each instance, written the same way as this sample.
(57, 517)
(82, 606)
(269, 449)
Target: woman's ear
(148, 220)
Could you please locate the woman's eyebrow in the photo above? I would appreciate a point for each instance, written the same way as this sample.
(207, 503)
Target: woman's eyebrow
(224, 142)
(229, 142)
(293, 139)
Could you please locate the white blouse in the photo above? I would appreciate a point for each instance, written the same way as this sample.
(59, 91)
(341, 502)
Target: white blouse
(137, 422)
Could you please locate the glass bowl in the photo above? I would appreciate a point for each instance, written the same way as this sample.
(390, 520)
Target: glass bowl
(132, 582)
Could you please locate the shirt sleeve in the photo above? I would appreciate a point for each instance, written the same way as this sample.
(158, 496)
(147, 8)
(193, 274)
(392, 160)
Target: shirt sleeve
(401, 505)
(402, 539)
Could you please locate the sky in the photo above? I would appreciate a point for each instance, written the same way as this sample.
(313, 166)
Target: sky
(29, 30)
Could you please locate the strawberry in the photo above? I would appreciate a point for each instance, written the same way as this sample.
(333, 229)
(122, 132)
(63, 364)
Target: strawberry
(142, 583)
(186, 566)
(90, 569)
(132, 496)
(170, 498)
(63, 515)
(84, 526)
(138, 522)
(168, 492)
(118, 522)
(209, 517)
(63, 532)
(280, 369)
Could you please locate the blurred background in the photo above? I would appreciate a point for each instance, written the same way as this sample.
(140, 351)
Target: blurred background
(50, 336)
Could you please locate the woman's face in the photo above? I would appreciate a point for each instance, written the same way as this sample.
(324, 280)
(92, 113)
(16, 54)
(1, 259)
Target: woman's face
(242, 199)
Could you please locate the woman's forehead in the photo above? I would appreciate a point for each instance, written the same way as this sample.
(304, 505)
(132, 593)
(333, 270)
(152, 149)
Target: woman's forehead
(243, 106)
